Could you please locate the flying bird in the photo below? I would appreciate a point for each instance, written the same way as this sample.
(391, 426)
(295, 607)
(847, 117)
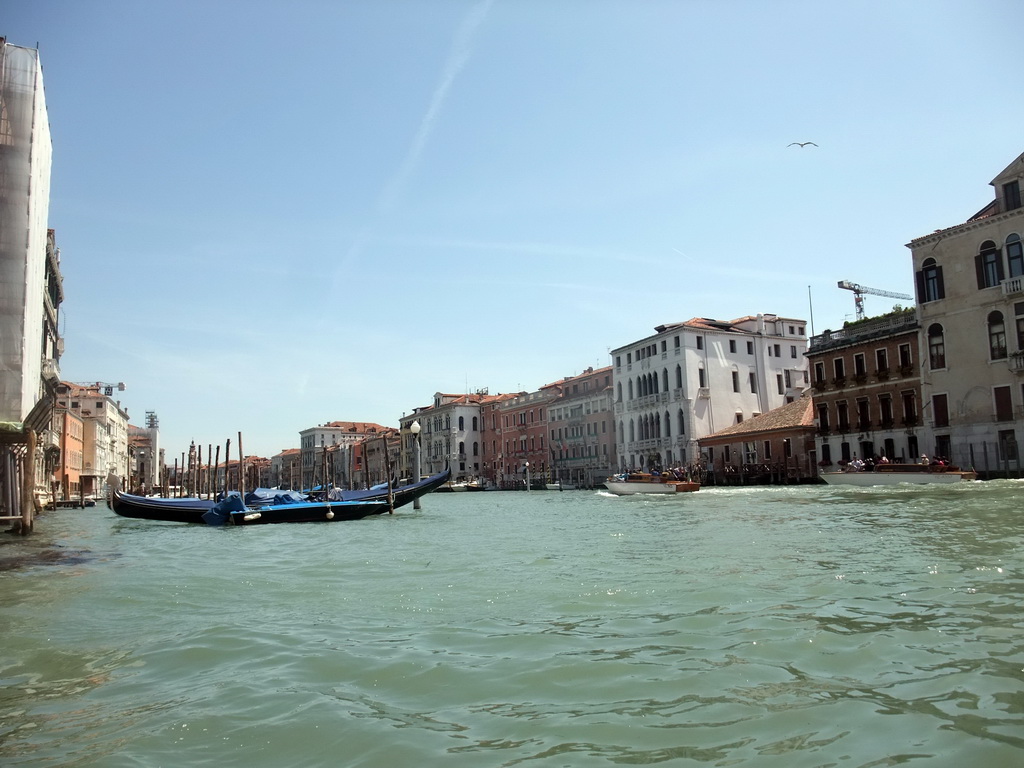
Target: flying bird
(802, 144)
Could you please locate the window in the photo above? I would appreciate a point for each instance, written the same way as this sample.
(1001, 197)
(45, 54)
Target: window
(1018, 309)
(700, 342)
(788, 377)
(1007, 445)
(863, 414)
(677, 342)
(1003, 406)
(860, 367)
(782, 389)
(702, 380)
(753, 383)
(750, 347)
(767, 455)
(735, 381)
(906, 359)
(778, 350)
(940, 410)
(839, 367)
(843, 416)
(1011, 195)
(996, 336)
(792, 351)
(989, 265)
(823, 418)
(909, 408)
(819, 373)
(881, 360)
(936, 347)
(1015, 256)
(732, 345)
(929, 282)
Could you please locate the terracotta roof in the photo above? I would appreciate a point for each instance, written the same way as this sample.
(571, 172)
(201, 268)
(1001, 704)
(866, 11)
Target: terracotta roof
(799, 413)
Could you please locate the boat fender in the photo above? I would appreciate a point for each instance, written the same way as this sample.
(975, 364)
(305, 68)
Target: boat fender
(330, 515)
(252, 516)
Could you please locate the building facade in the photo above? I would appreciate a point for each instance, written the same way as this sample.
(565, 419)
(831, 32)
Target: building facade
(320, 465)
(694, 378)
(866, 380)
(581, 428)
(970, 295)
(775, 447)
(104, 433)
(28, 348)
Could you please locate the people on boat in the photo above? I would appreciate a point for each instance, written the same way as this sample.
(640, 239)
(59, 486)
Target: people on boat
(924, 459)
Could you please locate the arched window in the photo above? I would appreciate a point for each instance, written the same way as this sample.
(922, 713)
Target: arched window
(996, 336)
(668, 425)
(474, 424)
(462, 423)
(632, 431)
(682, 422)
(618, 391)
(630, 389)
(989, 265)
(936, 347)
(476, 448)
(929, 282)
(1014, 256)
(679, 377)
(664, 379)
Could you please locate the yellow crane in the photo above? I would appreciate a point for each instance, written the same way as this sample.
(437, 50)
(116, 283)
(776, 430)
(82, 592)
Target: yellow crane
(860, 290)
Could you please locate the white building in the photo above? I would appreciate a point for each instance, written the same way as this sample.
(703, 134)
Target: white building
(105, 432)
(25, 384)
(450, 435)
(970, 294)
(694, 378)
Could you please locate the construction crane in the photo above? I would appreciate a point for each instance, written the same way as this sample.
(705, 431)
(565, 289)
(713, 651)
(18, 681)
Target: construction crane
(860, 290)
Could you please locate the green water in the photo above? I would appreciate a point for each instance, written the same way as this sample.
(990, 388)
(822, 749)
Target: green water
(805, 626)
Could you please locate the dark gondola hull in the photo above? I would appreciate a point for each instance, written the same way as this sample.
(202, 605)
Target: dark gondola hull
(403, 495)
(353, 506)
(144, 508)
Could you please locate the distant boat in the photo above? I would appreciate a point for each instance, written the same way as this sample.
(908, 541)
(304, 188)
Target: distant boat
(558, 485)
(460, 486)
(894, 474)
(630, 483)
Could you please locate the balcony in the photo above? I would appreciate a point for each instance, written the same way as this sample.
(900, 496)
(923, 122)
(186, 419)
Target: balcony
(1016, 361)
(839, 382)
(703, 393)
(1013, 285)
(882, 374)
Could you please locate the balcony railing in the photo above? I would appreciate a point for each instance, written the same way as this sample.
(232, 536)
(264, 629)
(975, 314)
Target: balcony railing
(1013, 285)
(1016, 361)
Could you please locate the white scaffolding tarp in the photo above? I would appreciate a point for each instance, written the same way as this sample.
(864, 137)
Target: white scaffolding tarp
(25, 158)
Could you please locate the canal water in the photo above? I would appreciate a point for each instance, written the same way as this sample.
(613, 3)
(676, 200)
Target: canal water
(783, 626)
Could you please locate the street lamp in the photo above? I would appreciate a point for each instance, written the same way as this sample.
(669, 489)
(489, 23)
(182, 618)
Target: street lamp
(527, 476)
(415, 429)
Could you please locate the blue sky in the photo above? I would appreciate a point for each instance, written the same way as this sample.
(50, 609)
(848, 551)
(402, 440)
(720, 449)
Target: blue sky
(277, 214)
